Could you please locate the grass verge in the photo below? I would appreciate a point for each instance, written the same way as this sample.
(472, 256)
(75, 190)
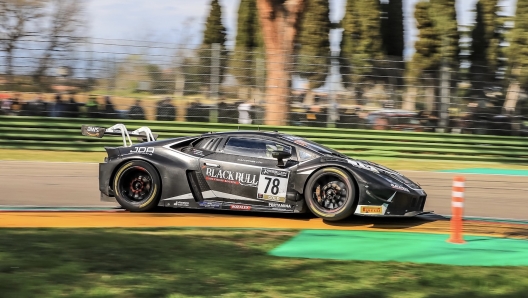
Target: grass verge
(394, 163)
(213, 263)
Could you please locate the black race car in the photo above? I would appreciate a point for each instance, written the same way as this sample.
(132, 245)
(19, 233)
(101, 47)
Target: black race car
(249, 171)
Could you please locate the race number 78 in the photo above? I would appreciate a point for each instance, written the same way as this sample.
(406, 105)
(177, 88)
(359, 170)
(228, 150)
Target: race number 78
(275, 183)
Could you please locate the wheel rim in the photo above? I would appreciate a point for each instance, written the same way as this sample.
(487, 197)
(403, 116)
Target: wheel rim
(136, 185)
(330, 193)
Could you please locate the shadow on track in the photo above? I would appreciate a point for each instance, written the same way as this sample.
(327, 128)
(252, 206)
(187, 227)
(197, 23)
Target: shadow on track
(388, 223)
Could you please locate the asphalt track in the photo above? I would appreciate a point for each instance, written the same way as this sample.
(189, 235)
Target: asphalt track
(25, 183)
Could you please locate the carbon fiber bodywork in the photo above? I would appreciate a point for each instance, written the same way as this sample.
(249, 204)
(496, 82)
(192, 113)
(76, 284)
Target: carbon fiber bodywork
(196, 172)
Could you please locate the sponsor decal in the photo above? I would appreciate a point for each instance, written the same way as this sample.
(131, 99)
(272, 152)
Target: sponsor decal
(277, 205)
(238, 178)
(399, 187)
(361, 165)
(92, 129)
(142, 150)
(181, 204)
(274, 173)
(371, 209)
(273, 198)
(249, 160)
(210, 204)
(240, 207)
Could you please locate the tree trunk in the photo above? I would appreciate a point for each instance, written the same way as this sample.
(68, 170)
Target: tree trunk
(512, 97)
(9, 67)
(279, 26)
(409, 102)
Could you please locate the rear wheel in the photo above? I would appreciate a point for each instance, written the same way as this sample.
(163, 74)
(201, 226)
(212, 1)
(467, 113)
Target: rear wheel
(137, 186)
(330, 194)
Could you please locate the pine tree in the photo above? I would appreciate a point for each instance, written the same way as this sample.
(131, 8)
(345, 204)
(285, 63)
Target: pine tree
(361, 43)
(248, 44)
(485, 44)
(392, 28)
(427, 54)
(214, 32)
(313, 55)
(518, 50)
(446, 25)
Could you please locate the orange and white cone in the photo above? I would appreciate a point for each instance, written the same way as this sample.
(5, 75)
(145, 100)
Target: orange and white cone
(457, 206)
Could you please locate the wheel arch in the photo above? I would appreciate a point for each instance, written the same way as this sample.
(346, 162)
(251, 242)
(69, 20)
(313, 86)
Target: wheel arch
(341, 167)
(119, 165)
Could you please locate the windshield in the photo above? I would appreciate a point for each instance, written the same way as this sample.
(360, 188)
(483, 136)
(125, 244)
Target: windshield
(312, 146)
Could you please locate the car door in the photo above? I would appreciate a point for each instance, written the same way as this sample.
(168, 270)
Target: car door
(246, 176)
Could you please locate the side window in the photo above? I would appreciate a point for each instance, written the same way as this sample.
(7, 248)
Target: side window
(305, 155)
(253, 147)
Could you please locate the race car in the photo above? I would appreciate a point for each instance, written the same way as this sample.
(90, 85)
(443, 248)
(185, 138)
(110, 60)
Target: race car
(262, 171)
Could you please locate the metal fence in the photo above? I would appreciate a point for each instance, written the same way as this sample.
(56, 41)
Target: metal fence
(138, 80)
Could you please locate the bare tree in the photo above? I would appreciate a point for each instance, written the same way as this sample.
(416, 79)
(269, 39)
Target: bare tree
(61, 32)
(18, 19)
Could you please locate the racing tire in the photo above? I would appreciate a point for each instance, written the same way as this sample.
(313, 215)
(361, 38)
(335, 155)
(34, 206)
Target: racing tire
(330, 194)
(137, 186)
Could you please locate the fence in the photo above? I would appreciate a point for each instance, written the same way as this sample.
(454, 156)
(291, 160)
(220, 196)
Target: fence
(216, 85)
(63, 134)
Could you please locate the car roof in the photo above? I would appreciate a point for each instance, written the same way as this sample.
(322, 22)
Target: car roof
(245, 132)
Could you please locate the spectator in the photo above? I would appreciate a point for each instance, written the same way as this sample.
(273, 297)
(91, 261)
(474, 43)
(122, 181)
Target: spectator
(165, 111)
(72, 108)
(6, 105)
(244, 110)
(109, 109)
(136, 112)
(92, 107)
(58, 107)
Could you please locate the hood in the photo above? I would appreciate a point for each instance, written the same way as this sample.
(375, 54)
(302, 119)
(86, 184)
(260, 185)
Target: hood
(386, 172)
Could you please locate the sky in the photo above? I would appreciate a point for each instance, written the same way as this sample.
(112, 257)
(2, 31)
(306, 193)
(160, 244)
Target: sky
(182, 21)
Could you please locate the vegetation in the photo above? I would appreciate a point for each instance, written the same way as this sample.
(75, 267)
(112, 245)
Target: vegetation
(518, 50)
(313, 56)
(485, 48)
(361, 42)
(214, 263)
(214, 33)
(249, 46)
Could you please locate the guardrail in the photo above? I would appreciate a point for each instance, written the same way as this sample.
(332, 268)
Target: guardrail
(64, 134)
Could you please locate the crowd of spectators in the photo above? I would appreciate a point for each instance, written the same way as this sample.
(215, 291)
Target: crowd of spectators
(248, 112)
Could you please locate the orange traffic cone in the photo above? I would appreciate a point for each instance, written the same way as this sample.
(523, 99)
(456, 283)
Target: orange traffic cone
(457, 205)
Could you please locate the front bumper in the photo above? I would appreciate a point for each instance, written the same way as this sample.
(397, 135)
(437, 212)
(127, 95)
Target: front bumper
(380, 200)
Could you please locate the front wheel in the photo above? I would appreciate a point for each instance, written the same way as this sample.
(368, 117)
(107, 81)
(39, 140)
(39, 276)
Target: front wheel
(330, 194)
(137, 186)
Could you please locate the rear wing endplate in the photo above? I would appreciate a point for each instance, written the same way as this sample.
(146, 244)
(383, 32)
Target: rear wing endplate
(142, 134)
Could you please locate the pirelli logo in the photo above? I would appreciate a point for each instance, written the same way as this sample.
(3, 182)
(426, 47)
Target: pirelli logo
(371, 209)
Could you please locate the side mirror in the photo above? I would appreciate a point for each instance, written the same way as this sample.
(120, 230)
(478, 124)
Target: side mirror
(280, 155)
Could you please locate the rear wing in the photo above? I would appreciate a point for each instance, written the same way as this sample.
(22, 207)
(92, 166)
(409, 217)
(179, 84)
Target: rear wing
(143, 134)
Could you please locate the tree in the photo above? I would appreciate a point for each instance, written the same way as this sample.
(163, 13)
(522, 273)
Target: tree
(279, 20)
(427, 47)
(485, 48)
(214, 33)
(446, 25)
(392, 28)
(18, 19)
(313, 54)
(60, 33)
(427, 54)
(249, 45)
(361, 43)
(517, 54)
